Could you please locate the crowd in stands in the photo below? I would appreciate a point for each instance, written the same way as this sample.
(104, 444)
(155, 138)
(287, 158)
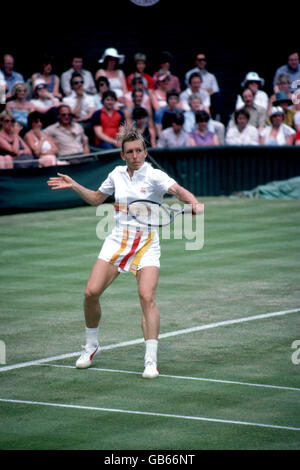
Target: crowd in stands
(47, 117)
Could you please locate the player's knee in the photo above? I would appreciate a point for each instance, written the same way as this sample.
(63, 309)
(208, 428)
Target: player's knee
(90, 295)
(147, 298)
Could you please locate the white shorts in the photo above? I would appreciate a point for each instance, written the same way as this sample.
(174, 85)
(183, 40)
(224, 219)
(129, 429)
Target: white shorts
(131, 249)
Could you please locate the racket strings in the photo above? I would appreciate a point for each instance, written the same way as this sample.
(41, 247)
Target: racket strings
(150, 214)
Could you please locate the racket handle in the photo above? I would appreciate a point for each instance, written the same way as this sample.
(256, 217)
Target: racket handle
(188, 209)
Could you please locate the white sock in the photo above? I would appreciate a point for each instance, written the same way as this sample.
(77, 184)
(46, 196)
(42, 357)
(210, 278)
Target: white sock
(151, 350)
(92, 335)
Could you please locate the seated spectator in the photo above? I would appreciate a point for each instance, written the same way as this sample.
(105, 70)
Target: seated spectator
(254, 82)
(140, 117)
(42, 146)
(202, 136)
(107, 121)
(165, 60)
(285, 103)
(163, 116)
(138, 96)
(282, 84)
(140, 66)
(195, 86)
(242, 133)
(296, 101)
(10, 75)
(174, 136)
(209, 82)
(46, 72)
(111, 60)
(19, 105)
(292, 68)
(82, 105)
(158, 96)
(77, 66)
(277, 133)
(297, 139)
(68, 135)
(43, 102)
(12, 147)
(258, 114)
(190, 125)
(102, 85)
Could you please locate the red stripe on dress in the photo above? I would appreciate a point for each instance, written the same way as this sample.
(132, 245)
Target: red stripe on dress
(135, 244)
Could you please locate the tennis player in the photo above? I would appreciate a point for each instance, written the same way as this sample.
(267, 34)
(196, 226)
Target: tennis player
(129, 248)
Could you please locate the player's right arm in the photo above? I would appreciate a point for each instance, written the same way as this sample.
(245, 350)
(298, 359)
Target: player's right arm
(94, 198)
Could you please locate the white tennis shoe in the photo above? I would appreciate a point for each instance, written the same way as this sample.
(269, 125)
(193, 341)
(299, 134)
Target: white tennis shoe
(151, 370)
(86, 357)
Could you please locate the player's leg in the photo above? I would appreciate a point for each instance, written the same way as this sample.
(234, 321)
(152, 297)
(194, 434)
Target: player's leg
(147, 279)
(102, 275)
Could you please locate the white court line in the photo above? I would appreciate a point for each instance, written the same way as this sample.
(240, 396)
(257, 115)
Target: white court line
(161, 336)
(149, 413)
(182, 377)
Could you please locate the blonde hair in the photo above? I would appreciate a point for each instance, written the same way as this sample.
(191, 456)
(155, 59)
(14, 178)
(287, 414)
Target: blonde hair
(3, 115)
(19, 85)
(130, 134)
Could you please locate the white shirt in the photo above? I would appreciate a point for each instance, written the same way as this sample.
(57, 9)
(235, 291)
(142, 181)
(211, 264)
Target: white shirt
(88, 85)
(208, 79)
(260, 99)
(184, 98)
(248, 136)
(146, 183)
(87, 102)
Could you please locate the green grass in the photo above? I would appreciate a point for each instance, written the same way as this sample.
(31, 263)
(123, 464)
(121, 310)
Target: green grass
(249, 265)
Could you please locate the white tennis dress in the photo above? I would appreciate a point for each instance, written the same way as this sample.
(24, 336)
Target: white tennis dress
(131, 246)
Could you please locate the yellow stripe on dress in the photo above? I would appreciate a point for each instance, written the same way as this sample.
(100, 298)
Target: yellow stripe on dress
(122, 247)
(137, 257)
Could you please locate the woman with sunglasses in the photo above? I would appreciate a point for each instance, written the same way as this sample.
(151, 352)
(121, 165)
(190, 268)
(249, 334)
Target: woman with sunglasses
(20, 106)
(12, 145)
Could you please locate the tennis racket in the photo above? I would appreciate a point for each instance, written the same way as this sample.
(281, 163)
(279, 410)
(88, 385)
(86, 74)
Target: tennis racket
(154, 214)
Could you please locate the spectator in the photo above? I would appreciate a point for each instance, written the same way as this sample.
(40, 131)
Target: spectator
(283, 84)
(19, 105)
(41, 145)
(297, 139)
(68, 135)
(242, 133)
(254, 82)
(46, 72)
(140, 66)
(190, 125)
(285, 103)
(292, 68)
(258, 115)
(209, 83)
(165, 64)
(106, 122)
(77, 66)
(10, 75)
(136, 94)
(82, 105)
(202, 136)
(174, 136)
(195, 86)
(102, 85)
(277, 133)
(163, 116)
(158, 96)
(296, 101)
(111, 60)
(140, 117)
(44, 102)
(12, 147)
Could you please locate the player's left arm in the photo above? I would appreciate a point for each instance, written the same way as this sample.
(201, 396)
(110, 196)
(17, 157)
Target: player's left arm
(187, 197)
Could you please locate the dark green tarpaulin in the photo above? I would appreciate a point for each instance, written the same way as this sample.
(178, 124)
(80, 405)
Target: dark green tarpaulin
(27, 190)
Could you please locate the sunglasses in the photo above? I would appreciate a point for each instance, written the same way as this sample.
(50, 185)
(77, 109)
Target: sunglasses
(64, 114)
(9, 120)
(77, 82)
(41, 87)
